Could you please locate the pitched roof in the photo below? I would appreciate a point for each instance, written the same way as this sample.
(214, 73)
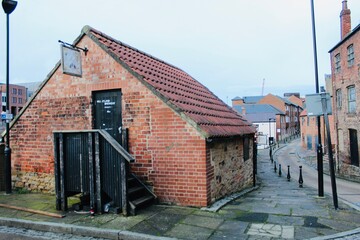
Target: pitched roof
(252, 99)
(259, 112)
(261, 108)
(192, 100)
(349, 35)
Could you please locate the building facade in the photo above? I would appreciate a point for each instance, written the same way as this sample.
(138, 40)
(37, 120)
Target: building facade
(345, 68)
(268, 121)
(292, 112)
(16, 100)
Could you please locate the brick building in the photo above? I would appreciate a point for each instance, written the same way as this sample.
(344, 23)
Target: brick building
(292, 112)
(17, 98)
(345, 69)
(268, 121)
(309, 131)
(189, 145)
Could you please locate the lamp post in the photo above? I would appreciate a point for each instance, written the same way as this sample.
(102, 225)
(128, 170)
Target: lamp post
(270, 139)
(319, 147)
(8, 6)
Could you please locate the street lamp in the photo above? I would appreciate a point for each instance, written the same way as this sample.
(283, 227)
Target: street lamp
(271, 139)
(319, 147)
(8, 6)
(273, 119)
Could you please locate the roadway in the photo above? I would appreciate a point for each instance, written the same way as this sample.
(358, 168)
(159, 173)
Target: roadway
(288, 155)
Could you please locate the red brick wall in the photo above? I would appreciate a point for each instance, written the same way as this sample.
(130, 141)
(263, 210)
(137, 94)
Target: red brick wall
(169, 152)
(309, 128)
(348, 76)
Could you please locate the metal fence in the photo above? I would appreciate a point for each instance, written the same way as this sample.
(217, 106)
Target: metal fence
(93, 163)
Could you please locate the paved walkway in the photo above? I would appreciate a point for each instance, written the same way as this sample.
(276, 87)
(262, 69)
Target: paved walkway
(277, 209)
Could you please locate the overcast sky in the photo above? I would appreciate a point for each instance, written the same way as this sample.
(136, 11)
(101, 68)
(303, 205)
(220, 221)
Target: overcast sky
(230, 46)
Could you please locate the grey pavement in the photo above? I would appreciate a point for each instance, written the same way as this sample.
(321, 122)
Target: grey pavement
(275, 209)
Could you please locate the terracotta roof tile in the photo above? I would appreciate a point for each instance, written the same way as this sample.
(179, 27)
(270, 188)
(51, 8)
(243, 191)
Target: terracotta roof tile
(188, 96)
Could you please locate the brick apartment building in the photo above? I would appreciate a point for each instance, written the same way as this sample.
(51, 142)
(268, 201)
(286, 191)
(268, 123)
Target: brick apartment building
(309, 131)
(17, 98)
(292, 112)
(345, 69)
(189, 145)
(286, 111)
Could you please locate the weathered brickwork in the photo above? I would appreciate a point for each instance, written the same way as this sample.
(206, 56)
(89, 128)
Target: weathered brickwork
(309, 132)
(231, 172)
(343, 78)
(170, 154)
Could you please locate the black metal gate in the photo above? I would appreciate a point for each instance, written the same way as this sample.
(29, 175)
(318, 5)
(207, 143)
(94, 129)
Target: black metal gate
(93, 163)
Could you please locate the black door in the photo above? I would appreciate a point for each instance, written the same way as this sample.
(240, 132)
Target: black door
(108, 112)
(354, 151)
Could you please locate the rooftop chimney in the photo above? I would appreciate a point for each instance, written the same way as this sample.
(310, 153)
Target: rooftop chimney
(345, 19)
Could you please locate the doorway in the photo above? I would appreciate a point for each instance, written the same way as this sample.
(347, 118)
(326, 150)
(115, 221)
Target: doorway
(107, 112)
(354, 149)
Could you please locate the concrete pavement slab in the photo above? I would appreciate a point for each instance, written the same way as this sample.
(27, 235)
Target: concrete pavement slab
(184, 231)
(200, 221)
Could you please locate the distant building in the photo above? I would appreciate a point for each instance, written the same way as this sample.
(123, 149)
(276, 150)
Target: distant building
(267, 119)
(246, 100)
(292, 112)
(17, 98)
(287, 95)
(261, 110)
(309, 131)
(31, 87)
(345, 69)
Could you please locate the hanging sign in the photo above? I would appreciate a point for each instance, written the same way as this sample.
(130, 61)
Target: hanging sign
(71, 61)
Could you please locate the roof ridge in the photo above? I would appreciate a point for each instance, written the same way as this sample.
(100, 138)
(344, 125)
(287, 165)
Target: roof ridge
(87, 29)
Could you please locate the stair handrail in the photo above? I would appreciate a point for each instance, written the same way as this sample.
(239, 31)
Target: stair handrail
(127, 156)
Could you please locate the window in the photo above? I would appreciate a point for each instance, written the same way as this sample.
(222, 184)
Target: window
(351, 99)
(14, 100)
(338, 99)
(3, 99)
(20, 100)
(246, 147)
(20, 92)
(14, 91)
(337, 63)
(350, 56)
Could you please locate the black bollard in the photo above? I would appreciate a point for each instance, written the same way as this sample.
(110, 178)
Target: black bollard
(301, 181)
(279, 170)
(275, 166)
(288, 175)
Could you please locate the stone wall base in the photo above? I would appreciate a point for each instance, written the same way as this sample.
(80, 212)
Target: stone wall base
(35, 182)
